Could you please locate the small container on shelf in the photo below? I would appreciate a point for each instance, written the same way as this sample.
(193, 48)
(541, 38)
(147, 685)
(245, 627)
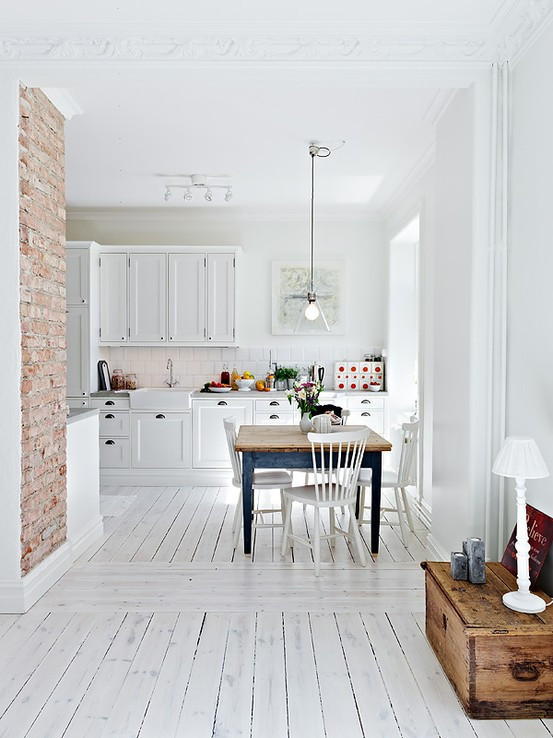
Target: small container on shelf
(131, 381)
(225, 375)
(117, 380)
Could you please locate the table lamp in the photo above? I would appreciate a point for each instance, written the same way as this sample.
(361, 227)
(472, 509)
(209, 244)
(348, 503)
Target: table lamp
(521, 459)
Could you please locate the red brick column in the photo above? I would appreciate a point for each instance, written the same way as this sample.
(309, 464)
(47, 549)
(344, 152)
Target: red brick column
(42, 281)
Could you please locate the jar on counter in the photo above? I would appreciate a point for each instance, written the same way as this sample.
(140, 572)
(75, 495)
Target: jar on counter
(131, 381)
(117, 380)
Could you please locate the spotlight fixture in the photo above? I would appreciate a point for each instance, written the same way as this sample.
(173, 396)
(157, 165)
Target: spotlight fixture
(199, 183)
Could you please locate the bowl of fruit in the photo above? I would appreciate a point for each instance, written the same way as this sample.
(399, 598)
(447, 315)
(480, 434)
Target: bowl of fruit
(216, 387)
(245, 383)
(374, 386)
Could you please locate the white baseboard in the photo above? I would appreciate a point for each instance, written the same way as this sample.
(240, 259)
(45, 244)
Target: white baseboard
(158, 478)
(424, 512)
(435, 550)
(87, 536)
(20, 595)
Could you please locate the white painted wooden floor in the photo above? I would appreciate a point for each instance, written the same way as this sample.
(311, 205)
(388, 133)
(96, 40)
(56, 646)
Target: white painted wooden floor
(162, 630)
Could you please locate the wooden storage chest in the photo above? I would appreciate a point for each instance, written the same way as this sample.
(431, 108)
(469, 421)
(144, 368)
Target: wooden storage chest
(499, 661)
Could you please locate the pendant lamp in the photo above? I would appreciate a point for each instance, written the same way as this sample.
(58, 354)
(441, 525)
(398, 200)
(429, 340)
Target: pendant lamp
(312, 317)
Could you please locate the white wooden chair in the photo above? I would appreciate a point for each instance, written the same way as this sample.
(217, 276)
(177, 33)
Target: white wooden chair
(273, 479)
(337, 459)
(397, 480)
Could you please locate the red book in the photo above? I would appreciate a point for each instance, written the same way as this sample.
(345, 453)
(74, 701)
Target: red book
(540, 536)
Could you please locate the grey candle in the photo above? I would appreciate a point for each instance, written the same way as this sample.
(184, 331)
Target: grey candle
(476, 560)
(459, 565)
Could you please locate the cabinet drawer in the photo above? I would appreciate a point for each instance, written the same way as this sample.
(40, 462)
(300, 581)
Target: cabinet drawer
(115, 453)
(273, 406)
(276, 418)
(73, 402)
(365, 401)
(110, 403)
(114, 423)
(160, 440)
(373, 418)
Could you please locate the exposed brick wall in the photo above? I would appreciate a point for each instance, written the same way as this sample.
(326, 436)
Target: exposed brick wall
(43, 378)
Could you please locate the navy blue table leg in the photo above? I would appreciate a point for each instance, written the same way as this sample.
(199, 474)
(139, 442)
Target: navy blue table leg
(375, 501)
(247, 501)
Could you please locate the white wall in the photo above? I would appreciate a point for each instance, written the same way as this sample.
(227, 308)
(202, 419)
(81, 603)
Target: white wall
(530, 301)
(359, 243)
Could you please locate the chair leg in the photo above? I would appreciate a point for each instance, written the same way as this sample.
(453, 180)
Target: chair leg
(317, 541)
(282, 506)
(354, 529)
(361, 505)
(237, 523)
(332, 517)
(400, 517)
(407, 509)
(287, 526)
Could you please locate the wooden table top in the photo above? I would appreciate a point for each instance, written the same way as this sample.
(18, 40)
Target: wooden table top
(290, 438)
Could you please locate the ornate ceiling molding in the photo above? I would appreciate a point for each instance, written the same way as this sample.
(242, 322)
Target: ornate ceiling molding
(474, 44)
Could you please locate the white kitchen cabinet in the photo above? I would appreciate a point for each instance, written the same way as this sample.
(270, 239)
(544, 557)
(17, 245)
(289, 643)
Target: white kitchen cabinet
(210, 449)
(77, 276)
(114, 423)
(160, 440)
(148, 298)
(114, 326)
(187, 298)
(76, 404)
(367, 409)
(115, 453)
(77, 352)
(220, 298)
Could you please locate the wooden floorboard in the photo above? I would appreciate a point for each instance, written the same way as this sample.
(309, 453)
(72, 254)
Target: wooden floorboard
(162, 630)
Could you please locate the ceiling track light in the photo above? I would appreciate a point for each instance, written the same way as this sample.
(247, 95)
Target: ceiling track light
(199, 183)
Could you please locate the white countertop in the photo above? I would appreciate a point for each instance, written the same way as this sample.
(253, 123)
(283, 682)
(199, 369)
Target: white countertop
(277, 394)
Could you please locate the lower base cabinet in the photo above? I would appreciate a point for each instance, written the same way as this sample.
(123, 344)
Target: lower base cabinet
(210, 450)
(115, 453)
(160, 440)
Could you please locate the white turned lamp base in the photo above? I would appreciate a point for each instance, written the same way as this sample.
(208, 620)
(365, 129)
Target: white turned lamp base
(524, 602)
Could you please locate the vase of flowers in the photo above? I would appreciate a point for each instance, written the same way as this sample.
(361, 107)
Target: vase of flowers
(306, 397)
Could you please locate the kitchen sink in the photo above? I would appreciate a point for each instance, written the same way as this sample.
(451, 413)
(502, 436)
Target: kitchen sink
(160, 398)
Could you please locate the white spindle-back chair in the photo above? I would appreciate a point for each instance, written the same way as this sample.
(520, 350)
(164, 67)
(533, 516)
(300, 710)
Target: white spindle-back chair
(337, 458)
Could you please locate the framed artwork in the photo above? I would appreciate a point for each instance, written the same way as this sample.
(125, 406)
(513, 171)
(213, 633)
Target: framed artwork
(290, 283)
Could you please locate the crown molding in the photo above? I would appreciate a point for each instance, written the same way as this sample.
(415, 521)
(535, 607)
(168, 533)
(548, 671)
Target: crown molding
(521, 27)
(216, 215)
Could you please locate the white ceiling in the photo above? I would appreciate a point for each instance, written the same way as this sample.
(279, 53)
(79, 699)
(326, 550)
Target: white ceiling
(135, 138)
(394, 12)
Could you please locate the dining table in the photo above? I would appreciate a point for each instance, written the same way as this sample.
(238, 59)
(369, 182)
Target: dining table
(287, 447)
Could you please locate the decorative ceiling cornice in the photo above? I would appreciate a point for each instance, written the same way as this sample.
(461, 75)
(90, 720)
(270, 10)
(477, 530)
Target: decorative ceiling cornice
(432, 44)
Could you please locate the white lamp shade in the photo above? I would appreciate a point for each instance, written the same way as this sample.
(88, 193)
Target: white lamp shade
(520, 457)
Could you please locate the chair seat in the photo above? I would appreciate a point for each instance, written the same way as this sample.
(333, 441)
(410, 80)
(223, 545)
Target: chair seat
(389, 477)
(272, 479)
(307, 496)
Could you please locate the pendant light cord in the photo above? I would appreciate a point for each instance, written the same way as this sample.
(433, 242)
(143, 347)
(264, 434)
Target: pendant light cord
(311, 276)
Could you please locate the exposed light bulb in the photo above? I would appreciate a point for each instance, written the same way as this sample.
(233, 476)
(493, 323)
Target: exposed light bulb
(312, 311)
(208, 196)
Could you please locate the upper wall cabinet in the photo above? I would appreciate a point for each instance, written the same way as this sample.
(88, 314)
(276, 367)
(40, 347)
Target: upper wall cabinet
(77, 276)
(187, 283)
(148, 298)
(114, 322)
(177, 296)
(220, 298)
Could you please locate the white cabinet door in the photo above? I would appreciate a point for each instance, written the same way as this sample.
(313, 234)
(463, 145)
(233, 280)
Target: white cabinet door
(160, 440)
(77, 352)
(114, 326)
(76, 278)
(148, 298)
(187, 297)
(210, 450)
(220, 298)
(373, 418)
(114, 453)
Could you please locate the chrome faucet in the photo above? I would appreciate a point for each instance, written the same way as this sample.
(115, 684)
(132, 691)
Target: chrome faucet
(172, 382)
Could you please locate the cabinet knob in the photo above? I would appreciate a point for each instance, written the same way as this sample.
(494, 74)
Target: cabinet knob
(83, 300)
(160, 416)
(170, 338)
(363, 415)
(110, 416)
(365, 402)
(222, 402)
(274, 403)
(161, 339)
(209, 338)
(109, 402)
(122, 338)
(84, 394)
(110, 443)
(273, 417)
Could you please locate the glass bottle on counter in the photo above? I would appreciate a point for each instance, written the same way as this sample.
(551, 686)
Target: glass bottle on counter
(225, 375)
(233, 377)
(117, 380)
(131, 381)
